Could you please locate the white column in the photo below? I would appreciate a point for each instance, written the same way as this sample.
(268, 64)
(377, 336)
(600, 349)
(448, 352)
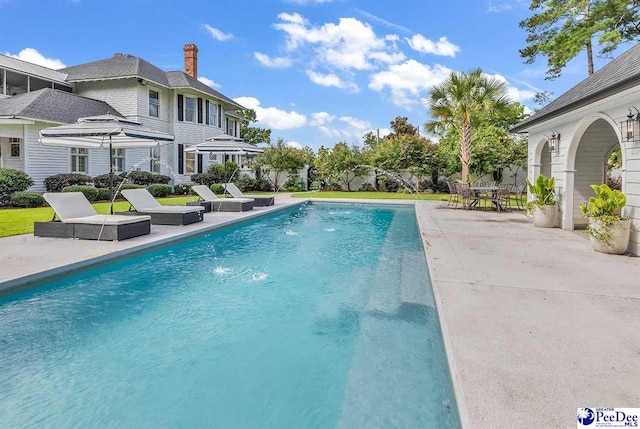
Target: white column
(567, 200)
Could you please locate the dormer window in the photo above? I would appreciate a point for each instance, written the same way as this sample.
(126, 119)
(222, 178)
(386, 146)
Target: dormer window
(154, 103)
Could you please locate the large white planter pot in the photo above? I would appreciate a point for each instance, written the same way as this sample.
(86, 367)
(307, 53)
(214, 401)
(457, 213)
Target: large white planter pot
(619, 240)
(545, 216)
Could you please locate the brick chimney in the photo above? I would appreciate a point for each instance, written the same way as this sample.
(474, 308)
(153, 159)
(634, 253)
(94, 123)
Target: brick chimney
(191, 60)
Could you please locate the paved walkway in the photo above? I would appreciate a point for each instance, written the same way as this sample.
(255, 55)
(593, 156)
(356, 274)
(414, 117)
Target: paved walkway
(26, 256)
(536, 323)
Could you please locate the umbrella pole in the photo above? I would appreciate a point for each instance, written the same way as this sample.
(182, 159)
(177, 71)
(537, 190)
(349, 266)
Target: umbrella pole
(110, 176)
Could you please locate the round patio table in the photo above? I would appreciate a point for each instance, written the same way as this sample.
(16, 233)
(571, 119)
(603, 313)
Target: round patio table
(493, 190)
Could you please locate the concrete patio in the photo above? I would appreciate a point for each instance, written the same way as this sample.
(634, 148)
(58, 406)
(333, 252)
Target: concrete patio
(536, 324)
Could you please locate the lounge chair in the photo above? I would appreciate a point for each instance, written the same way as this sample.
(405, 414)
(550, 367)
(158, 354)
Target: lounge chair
(212, 203)
(260, 200)
(144, 203)
(78, 219)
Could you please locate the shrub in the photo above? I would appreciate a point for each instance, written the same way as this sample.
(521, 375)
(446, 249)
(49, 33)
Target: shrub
(333, 186)
(182, 189)
(159, 190)
(404, 190)
(203, 179)
(388, 184)
(222, 173)
(26, 199)
(128, 186)
(293, 185)
(367, 187)
(217, 188)
(103, 194)
(90, 192)
(102, 181)
(145, 178)
(59, 181)
(12, 181)
(247, 184)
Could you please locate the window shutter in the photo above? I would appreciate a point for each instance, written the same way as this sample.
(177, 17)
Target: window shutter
(180, 107)
(220, 115)
(206, 112)
(180, 158)
(199, 163)
(199, 110)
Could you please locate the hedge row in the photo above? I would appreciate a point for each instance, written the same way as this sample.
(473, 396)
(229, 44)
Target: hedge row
(57, 182)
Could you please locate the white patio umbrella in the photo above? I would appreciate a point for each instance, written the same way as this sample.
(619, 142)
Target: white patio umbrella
(224, 144)
(104, 132)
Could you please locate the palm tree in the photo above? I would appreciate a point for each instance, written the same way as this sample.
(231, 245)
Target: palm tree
(458, 101)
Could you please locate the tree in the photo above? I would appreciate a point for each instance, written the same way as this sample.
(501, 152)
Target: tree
(281, 158)
(342, 162)
(459, 102)
(253, 135)
(401, 126)
(561, 29)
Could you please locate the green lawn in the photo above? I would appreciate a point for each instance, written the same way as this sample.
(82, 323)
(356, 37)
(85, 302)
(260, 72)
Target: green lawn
(372, 195)
(20, 221)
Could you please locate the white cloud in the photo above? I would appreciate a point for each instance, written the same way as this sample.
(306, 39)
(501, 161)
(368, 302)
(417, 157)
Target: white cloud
(31, 55)
(273, 117)
(498, 7)
(349, 44)
(331, 79)
(209, 82)
(355, 128)
(426, 46)
(273, 62)
(515, 94)
(408, 81)
(295, 145)
(218, 34)
(321, 118)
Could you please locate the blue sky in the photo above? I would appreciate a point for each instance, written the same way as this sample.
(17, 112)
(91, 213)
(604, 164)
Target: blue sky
(317, 71)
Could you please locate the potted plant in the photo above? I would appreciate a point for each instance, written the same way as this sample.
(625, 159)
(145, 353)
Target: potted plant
(543, 207)
(608, 230)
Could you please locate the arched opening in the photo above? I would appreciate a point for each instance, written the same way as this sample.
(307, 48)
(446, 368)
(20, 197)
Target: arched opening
(545, 160)
(595, 146)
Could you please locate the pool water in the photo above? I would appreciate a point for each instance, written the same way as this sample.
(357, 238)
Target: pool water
(320, 316)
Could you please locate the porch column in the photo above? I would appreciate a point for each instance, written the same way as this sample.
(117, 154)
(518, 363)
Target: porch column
(567, 200)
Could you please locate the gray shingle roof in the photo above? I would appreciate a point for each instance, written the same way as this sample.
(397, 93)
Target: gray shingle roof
(125, 65)
(179, 79)
(10, 63)
(118, 66)
(620, 74)
(52, 105)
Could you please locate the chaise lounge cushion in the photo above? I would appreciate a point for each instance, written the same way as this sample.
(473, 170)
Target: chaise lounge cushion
(207, 194)
(144, 202)
(73, 207)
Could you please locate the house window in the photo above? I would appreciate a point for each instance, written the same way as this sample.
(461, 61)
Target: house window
(154, 159)
(79, 160)
(14, 147)
(118, 160)
(213, 114)
(189, 109)
(154, 103)
(213, 157)
(190, 163)
(230, 127)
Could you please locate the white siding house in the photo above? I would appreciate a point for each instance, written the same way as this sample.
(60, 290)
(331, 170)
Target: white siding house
(589, 119)
(171, 102)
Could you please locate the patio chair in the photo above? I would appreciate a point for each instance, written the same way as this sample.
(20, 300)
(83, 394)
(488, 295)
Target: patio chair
(466, 196)
(453, 194)
(143, 202)
(212, 203)
(78, 219)
(259, 200)
(503, 197)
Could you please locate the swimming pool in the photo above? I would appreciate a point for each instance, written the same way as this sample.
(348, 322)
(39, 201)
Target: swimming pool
(320, 316)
